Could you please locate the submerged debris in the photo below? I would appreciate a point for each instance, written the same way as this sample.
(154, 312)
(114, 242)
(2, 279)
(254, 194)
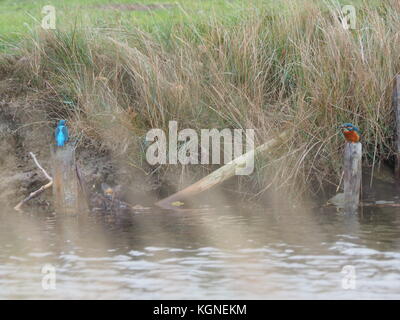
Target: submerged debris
(109, 201)
(337, 201)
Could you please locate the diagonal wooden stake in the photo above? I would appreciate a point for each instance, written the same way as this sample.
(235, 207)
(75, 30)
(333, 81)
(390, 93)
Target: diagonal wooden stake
(219, 175)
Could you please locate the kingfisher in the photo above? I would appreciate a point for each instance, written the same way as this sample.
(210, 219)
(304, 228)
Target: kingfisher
(61, 134)
(351, 133)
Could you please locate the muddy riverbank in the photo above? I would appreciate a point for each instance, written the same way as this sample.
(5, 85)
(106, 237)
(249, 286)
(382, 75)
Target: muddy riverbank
(25, 129)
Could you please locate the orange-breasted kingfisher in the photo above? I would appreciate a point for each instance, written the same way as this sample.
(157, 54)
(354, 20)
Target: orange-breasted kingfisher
(351, 133)
(61, 134)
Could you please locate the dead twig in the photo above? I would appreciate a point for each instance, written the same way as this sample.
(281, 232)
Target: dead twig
(40, 167)
(42, 188)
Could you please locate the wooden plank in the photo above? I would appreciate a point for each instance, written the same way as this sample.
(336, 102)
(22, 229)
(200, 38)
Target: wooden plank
(396, 107)
(352, 176)
(219, 175)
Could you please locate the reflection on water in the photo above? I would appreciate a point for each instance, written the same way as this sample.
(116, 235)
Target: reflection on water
(224, 253)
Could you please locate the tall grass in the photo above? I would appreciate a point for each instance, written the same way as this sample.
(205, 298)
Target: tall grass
(293, 69)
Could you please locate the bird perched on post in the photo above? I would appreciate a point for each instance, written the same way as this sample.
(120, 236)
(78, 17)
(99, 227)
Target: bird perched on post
(61, 134)
(351, 133)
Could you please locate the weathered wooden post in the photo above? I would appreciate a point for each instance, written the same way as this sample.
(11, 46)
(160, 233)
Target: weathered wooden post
(352, 176)
(68, 188)
(396, 107)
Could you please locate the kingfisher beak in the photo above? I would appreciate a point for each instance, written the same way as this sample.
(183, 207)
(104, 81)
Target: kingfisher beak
(344, 128)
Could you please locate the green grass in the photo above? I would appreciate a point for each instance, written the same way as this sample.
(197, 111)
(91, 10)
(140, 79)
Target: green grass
(17, 17)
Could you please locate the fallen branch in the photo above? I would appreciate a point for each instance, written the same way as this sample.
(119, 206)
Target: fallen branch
(42, 188)
(219, 175)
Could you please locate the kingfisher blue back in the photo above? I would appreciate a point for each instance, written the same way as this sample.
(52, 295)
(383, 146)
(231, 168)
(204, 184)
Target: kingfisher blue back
(61, 134)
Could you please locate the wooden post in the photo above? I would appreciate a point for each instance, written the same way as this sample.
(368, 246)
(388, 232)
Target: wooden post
(68, 188)
(396, 107)
(352, 176)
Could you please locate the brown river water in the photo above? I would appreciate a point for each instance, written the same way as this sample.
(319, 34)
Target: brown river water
(239, 252)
